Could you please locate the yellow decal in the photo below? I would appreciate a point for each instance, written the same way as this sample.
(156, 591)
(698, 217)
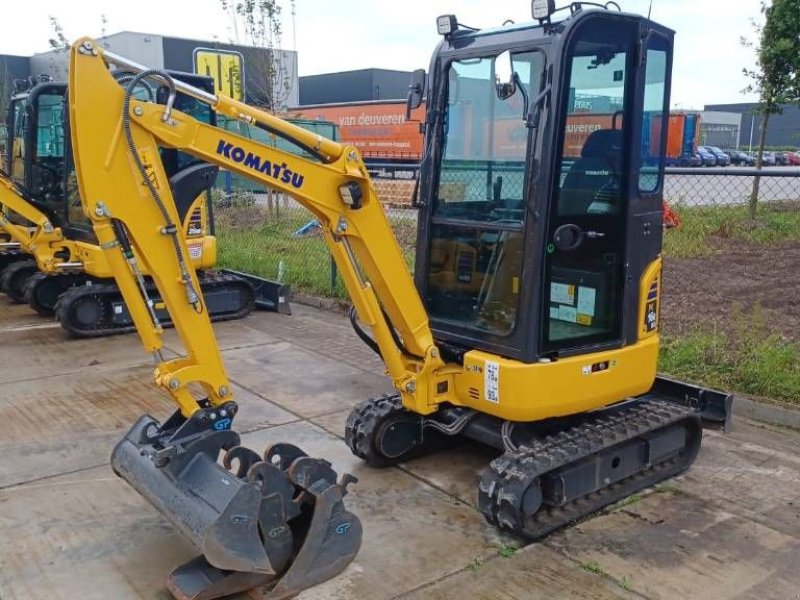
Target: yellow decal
(149, 169)
(584, 319)
(515, 285)
(225, 67)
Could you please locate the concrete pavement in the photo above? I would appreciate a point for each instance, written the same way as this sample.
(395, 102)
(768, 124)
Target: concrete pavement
(728, 529)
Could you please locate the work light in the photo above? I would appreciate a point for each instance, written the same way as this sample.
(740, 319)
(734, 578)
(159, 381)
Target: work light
(542, 9)
(446, 24)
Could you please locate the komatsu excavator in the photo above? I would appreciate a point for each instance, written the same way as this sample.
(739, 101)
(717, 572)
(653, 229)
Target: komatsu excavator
(52, 259)
(533, 326)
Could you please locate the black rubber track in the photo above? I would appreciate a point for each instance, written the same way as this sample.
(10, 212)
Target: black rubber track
(502, 486)
(42, 290)
(14, 276)
(104, 295)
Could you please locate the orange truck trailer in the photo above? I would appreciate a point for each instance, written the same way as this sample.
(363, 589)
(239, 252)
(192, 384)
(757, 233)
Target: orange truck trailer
(379, 129)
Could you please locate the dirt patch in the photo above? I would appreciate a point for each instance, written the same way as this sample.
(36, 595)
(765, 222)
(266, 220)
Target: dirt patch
(706, 290)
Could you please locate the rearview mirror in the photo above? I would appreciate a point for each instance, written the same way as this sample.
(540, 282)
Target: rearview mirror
(416, 90)
(505, 82)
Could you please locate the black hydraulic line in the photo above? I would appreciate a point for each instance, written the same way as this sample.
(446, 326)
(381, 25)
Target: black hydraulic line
(367, 339)
(170, 228)
(312, 151)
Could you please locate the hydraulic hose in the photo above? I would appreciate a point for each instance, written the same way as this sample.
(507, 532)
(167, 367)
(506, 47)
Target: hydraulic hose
(170, 228)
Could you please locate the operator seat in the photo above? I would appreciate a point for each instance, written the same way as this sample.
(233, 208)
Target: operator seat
(595, 176)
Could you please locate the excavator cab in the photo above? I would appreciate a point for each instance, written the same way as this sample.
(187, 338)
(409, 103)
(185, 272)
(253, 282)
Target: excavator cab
(41, 161)
(42, 170)
(538, 185)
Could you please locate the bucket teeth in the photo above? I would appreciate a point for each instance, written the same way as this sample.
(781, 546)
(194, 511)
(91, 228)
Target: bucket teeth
(276, 522)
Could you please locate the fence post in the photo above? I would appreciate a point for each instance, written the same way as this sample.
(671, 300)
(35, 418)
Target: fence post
(334, 272)
(228, 184)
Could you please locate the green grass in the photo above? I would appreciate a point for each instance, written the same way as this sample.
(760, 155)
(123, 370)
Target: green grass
(775, 223)
(506, 550)
(593, 567)
(749, 359)
(259, 241)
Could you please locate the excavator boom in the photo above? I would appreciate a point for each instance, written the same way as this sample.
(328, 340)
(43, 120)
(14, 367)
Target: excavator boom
(275, 520)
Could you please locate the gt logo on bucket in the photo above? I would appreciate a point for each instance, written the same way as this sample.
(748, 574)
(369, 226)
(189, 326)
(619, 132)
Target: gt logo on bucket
(222, 424)
(342, 529)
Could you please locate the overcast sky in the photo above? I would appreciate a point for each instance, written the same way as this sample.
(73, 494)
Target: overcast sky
(401, 34)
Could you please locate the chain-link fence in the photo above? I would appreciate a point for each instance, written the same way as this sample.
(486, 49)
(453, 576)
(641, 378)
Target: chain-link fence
(272, 236)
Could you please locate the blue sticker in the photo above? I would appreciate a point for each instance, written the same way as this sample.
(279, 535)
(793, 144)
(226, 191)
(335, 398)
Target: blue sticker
(343, 528)
(222, 424)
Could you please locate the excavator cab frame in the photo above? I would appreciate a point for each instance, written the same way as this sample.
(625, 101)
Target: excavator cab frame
(544, 198)
(42, 165)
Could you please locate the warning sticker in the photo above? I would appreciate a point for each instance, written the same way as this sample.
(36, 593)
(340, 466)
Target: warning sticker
(650, 316)
(491, 381)
(561, 293)
(195, 251)
(567, 313)
(586, 300)
(584, 319)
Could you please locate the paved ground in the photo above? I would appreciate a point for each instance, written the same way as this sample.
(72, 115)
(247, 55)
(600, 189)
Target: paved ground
(730, 528)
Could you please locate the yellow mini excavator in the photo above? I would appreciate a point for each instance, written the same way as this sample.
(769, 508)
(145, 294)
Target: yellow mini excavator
(540, 193)
(52, 259)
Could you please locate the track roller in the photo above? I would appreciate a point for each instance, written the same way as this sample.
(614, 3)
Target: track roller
(561, 478)
(383, 433)
(275, 521)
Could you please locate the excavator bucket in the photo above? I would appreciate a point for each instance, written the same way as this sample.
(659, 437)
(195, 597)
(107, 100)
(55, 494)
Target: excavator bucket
(275, 522)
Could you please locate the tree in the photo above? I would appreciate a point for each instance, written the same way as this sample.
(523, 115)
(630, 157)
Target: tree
(257, 23)
(776, 78)
(59, 44)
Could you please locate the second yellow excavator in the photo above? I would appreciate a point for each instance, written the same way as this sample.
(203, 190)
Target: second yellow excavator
(533, 326)
(52, 260)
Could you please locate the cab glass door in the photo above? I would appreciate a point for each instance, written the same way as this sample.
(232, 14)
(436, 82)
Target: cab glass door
(585, 242)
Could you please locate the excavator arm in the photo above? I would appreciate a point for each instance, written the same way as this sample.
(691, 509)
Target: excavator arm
(126, 195)
(275, 520)
(42, 238)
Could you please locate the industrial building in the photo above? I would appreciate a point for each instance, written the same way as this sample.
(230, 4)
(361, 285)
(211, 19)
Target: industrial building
(783, 130)
(719, 128)
(354, 86)
(224, 62)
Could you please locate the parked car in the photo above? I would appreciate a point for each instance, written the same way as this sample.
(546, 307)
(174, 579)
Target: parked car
(708, 158)
(794, 159)
(723, 160)
(689, 161)
(741, 158)
(782, 158)
(768, 159)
